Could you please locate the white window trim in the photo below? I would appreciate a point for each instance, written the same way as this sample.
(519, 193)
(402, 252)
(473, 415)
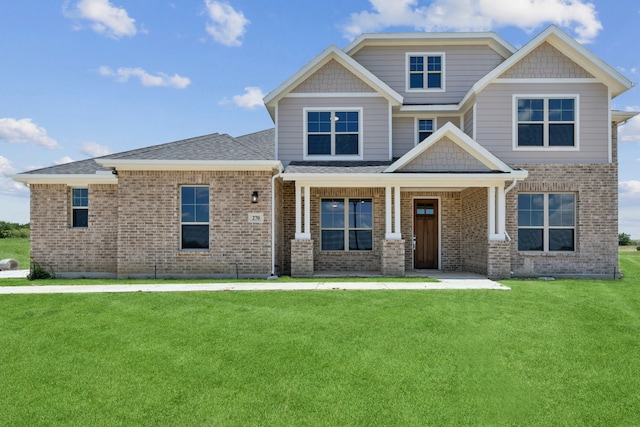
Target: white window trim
(546, 97)
(546, 226)
(333, 110)
(346, 227)
(407, 71)
(416, 124)
(193, 223)
(73, 207)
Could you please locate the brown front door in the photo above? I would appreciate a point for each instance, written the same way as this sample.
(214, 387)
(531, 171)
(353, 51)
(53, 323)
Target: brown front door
(426, 233)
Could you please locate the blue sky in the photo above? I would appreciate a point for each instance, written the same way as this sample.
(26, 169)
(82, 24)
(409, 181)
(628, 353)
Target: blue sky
(82, 78)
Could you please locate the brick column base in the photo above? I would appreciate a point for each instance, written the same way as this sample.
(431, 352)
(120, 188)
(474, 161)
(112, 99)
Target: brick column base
(392, 258)
(301, 258)
(499, 260)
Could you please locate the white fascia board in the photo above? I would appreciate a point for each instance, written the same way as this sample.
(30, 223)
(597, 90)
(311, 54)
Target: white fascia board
(67, 179)
(449, 108)
(460, 138)
(418, 180)
(491, 39)
(181, 165)
(333, 52)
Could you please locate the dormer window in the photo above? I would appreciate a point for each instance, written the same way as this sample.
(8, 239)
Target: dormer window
(425, 71)
(333, 134)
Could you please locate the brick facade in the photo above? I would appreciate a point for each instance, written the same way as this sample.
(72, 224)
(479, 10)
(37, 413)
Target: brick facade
(474, 230)
(392, 258)
(61, 249)
(134, 227)
(596, 190)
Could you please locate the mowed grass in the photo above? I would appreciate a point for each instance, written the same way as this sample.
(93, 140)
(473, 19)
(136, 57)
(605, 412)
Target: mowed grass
(546, 353)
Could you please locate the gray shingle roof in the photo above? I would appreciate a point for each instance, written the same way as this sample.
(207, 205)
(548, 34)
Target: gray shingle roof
(337, 167)
(254, 146)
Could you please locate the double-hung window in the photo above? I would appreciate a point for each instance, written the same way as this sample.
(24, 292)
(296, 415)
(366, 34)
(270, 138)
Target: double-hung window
(424, 129)
(546, 122)
(194, 210)
(346, 224)
(425, 71)
(547, 222)
(333, 133)
(80, 207)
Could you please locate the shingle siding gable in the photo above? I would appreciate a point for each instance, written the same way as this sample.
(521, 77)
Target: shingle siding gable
(546, 62)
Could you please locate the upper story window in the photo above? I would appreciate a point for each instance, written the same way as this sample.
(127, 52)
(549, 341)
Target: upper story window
(425, 71)
(80, 207)
(194, 221)
(424, 129)
(333, 133)
(546, 122)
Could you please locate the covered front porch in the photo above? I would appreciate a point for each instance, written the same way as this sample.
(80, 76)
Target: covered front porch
(415, 228)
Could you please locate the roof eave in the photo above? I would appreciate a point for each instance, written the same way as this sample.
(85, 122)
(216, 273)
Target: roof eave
(181, 165)
(436, 179)
(491, 39)
(67, 179)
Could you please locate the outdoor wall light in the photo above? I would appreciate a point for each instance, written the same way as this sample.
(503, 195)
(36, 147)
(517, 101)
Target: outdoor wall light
(254, 197)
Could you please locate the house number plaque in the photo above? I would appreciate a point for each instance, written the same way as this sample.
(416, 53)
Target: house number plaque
(256, 218)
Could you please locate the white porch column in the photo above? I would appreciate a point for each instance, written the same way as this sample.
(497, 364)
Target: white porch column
(396, 214)
(300, 235)
(501, 217)
(395, 233)
(491, 214)
(497, 213)
(387, 213)
(307, 212)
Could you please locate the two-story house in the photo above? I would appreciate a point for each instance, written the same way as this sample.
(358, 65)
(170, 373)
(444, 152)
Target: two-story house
(402, 151)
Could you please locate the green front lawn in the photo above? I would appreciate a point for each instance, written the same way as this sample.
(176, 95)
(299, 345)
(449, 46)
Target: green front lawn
(546, 353)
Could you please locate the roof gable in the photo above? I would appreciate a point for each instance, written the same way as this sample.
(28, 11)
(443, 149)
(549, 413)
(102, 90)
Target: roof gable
(333, 77)
(448, 150)
(331, 53)
(568, 47)
(546, 62)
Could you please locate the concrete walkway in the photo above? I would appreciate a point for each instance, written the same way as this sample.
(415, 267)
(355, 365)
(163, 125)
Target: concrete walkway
(446, 281)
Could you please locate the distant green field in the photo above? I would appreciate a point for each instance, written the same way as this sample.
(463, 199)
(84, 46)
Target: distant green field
(17, 249)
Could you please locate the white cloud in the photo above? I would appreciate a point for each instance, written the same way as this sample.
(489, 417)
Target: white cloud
(629, 191)
(94, 149)
(105, 18)
(476, 15)
(161, 79)
(227, 25)
(251, 99)
(63, 160)
(630, 131)
(7, 185)
(24, 130)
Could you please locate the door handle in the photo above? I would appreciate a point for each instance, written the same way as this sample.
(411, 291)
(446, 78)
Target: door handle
(414, 242)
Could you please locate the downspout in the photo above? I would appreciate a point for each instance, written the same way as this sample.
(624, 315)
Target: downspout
(273, 224)
(506, 190)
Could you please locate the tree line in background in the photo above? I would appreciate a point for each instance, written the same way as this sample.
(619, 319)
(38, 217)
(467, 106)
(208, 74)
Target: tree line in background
(13, 230)
(624, 239)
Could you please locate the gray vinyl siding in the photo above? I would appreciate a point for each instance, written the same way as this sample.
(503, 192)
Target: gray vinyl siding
(494, 122)
(404, 131)
(374, 122)
(464, 66)
(403, 135)
(468, 122)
